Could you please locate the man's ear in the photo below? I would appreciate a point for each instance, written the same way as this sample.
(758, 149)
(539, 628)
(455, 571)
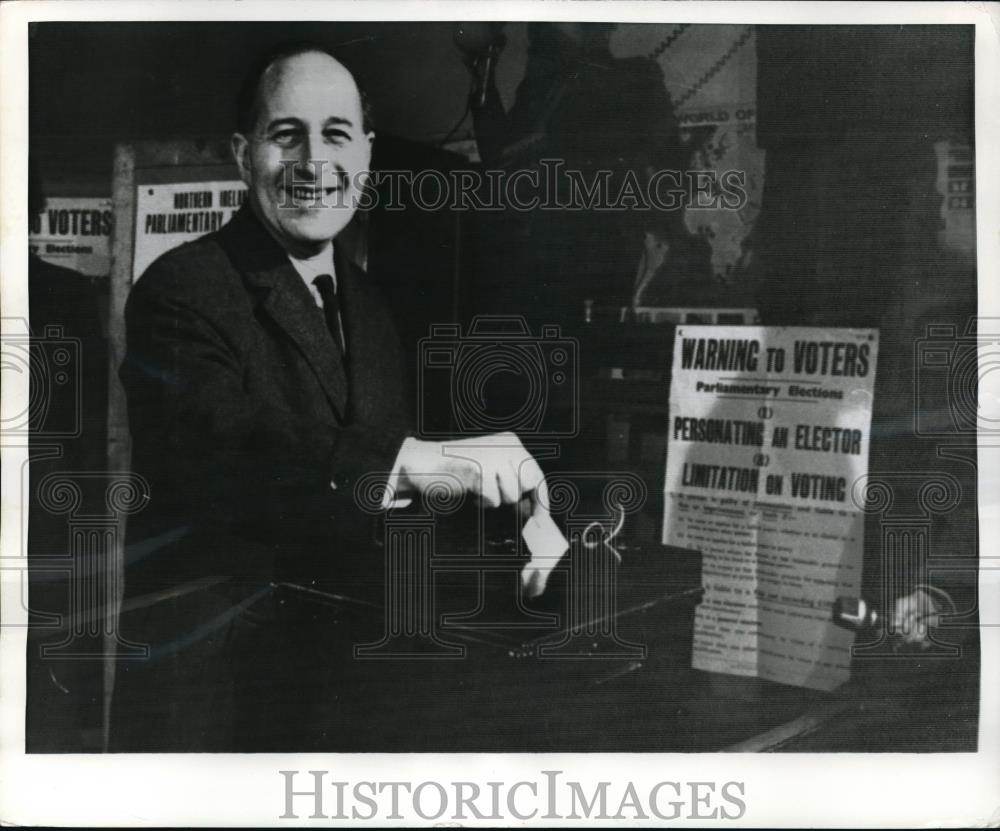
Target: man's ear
(241, 155)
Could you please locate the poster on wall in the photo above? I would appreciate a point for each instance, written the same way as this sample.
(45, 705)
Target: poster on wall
(171, 214)
(74, 232)
(769, 432)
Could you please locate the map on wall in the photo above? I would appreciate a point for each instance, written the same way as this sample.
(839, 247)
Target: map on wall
(710, 73)
(724, 139)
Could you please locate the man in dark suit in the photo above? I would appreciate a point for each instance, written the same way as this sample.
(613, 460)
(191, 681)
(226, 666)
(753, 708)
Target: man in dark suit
(264, 381)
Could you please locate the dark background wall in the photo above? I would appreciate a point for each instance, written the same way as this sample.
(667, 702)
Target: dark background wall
(94, 84)
(815, 79)
(849, 116)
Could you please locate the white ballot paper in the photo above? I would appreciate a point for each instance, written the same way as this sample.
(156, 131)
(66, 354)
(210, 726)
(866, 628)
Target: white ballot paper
(547, 545)
(769, 433)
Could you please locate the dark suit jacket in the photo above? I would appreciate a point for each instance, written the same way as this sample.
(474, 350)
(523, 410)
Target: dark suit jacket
(243, 417)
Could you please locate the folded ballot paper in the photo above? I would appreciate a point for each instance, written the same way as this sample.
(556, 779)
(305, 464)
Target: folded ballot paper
(547, 545)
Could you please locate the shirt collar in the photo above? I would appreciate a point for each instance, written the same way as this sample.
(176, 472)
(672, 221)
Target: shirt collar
(310, 269)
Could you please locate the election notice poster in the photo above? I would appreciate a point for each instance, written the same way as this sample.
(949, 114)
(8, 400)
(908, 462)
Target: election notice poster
(74, 232)
(171, 214)
(769, 432)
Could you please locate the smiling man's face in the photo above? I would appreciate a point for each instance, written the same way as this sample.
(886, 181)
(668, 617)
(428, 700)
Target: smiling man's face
(306, 159)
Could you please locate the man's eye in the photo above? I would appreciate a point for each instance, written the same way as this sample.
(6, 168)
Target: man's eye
(285, 137)
(337, 136)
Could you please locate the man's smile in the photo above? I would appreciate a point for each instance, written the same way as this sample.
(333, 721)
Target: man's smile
(312, 195)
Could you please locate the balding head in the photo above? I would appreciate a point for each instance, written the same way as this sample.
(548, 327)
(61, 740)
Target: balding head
(248, 101)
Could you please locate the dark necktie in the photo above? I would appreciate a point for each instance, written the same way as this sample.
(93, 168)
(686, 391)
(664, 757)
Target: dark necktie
(331, 309)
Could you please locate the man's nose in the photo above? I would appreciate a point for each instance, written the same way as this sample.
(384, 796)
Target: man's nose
(309, 160)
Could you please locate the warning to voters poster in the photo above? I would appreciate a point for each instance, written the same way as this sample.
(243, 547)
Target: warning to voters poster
(171, 214)
(74, 232)
(769, 431)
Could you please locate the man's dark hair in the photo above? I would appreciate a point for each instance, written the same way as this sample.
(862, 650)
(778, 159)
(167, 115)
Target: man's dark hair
(246, 102)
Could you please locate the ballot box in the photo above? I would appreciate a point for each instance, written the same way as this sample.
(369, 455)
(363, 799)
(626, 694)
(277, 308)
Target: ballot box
(481, 669)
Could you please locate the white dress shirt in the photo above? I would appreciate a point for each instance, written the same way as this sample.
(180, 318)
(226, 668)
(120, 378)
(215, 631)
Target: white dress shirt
(311, 268)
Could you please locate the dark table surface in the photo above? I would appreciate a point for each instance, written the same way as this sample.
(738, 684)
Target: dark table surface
(621, 684)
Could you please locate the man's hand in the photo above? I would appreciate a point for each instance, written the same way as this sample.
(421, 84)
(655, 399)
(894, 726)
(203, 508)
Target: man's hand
(913, 616)
(497, 469)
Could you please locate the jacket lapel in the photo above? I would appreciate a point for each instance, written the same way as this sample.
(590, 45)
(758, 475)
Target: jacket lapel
(285, 299)
(290, 306)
